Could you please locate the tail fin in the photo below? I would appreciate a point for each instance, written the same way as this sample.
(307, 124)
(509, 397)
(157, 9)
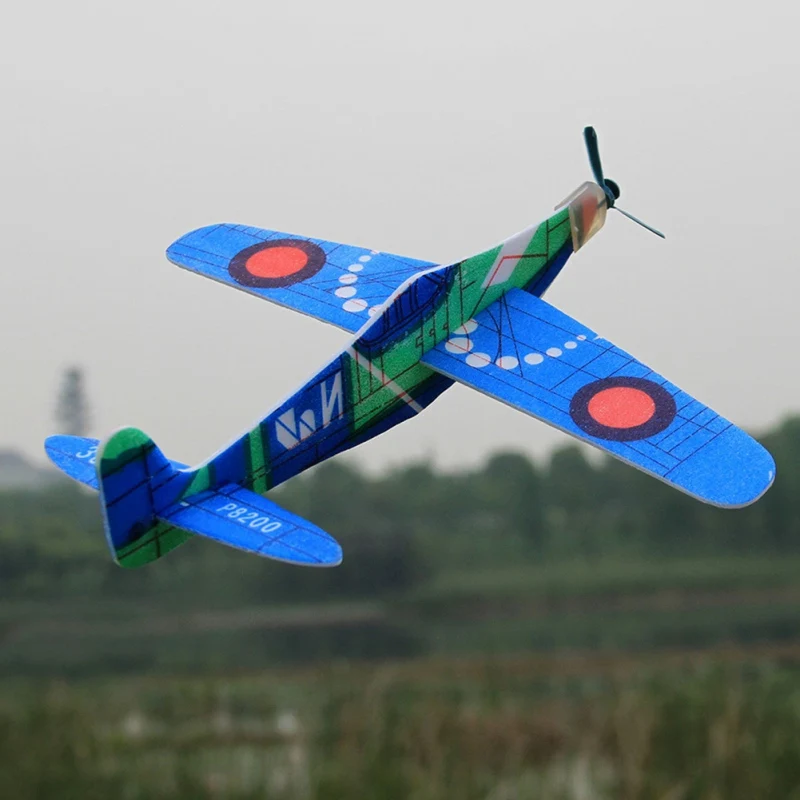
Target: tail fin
(133, 475)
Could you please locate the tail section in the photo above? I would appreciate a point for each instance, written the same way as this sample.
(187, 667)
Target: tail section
(151, 505)
(135, 479)
(79, 458)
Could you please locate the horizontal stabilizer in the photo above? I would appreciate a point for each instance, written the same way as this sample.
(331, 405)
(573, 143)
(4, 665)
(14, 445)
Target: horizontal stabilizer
(247, 521)
(76, 457)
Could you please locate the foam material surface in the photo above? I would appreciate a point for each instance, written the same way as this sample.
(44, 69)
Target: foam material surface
(528, 354)
(337, 283)
(239, 518)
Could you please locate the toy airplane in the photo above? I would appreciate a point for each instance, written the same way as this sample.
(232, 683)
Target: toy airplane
(419, 328)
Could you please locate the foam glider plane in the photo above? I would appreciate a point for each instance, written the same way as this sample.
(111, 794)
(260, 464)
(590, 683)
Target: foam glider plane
(417, 328)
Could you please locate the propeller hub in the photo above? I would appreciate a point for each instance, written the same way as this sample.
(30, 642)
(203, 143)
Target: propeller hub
(613, 187)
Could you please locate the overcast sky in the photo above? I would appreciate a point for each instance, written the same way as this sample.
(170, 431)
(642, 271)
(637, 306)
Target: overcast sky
(430, 129)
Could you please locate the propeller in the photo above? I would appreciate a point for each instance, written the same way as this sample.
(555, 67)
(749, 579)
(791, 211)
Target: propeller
(611, 188)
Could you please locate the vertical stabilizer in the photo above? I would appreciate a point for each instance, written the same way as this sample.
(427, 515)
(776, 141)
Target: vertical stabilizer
(134, 476)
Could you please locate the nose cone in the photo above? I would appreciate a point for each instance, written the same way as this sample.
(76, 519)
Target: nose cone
(732, 471)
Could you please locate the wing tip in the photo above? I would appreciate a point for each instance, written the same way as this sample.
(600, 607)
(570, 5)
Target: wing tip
(192, 239)
(733, 471)
(74, 456)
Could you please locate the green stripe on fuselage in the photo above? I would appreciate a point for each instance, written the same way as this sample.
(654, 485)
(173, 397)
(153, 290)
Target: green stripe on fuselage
(202, 479)
(258, 473)
(373, 401)
(466, 297)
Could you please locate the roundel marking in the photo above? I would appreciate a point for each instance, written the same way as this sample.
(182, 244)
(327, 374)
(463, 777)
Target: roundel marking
(276, 263)
(622, 409)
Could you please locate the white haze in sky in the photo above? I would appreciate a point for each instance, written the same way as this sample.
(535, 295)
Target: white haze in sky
(430, 129)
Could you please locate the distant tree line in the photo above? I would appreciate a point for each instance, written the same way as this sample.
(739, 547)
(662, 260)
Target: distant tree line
(400, 529)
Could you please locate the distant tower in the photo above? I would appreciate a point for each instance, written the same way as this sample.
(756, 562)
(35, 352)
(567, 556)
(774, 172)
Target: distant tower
(72, 410)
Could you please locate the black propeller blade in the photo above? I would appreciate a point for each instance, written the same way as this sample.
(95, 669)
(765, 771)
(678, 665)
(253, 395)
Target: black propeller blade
(611, 188)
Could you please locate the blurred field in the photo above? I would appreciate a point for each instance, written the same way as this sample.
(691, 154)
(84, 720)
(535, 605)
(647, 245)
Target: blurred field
(672, 725)
(633, 605)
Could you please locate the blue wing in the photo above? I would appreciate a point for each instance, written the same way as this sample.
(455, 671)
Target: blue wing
(242, 519)
(528, 354)
(337, 283)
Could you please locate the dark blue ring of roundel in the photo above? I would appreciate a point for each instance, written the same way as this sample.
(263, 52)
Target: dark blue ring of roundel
(239, 272)
(664, 414)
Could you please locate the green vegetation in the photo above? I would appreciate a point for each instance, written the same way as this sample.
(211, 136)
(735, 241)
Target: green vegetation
(523, 729)
(562, 631)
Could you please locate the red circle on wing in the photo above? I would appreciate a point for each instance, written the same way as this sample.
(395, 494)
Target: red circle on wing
(621, 407)
(276, 262)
